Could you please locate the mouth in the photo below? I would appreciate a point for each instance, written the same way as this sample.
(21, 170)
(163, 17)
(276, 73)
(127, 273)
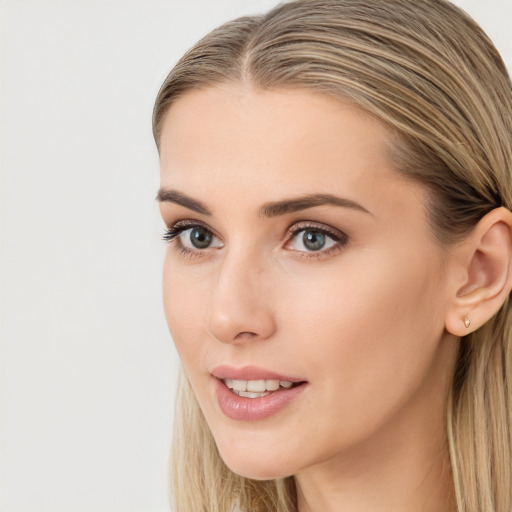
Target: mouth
(257, 388)
(251, 394)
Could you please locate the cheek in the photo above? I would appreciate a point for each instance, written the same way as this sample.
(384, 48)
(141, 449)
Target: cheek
(344, 301)
(184, 299)
(367, 336)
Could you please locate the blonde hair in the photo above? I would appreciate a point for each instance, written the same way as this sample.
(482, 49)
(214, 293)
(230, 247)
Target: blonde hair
(434, 78)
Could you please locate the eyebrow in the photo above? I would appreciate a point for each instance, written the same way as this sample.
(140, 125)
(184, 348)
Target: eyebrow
(276, 208)
(271, 209)
(173, 196)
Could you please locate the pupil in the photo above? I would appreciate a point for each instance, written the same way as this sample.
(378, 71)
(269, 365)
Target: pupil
(200, 238)
(313, 240)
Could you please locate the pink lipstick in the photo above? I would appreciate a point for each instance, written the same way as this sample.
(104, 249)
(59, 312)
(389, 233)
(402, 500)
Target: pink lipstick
(251, 393)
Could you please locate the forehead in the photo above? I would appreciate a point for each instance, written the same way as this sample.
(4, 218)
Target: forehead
(268, 132)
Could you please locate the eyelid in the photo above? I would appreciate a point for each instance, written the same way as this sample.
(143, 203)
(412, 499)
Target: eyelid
(334, 233)
(181, 225)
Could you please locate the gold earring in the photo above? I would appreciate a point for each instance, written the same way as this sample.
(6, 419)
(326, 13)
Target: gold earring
(467, 322)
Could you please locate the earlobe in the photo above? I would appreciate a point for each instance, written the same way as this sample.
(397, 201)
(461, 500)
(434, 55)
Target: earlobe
(486, 256)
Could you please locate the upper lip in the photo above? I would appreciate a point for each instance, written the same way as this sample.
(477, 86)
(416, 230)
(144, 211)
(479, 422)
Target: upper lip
(250, 373)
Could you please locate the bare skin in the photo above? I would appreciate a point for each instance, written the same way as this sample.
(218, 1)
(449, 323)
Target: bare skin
(360, 319)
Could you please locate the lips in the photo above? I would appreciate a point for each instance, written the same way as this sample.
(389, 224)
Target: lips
(251, 393)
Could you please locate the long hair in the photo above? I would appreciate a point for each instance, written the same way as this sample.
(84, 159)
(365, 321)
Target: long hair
(428, 72)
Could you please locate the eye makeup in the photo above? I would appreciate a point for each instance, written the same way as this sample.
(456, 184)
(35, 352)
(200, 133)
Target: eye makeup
(306, 238)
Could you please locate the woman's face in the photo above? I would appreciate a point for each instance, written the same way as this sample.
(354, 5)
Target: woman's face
(301, 266)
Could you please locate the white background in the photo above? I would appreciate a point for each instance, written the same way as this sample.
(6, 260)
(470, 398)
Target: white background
(87, 365)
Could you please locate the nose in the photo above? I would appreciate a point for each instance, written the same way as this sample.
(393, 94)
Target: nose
(240, 308)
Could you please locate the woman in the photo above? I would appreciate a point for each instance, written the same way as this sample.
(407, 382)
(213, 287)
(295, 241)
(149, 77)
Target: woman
(336, 182)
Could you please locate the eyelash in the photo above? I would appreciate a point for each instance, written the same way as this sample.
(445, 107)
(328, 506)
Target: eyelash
(340, 239)
(172, 233)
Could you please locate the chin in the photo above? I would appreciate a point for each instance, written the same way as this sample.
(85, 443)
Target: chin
(260, 471)
(256, 462)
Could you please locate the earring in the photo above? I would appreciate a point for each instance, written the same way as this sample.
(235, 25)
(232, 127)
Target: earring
(467, 322)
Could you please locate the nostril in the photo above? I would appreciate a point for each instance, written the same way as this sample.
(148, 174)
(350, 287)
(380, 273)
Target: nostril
(246, 335)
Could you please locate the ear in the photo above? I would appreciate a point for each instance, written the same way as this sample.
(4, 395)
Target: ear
(485, 280)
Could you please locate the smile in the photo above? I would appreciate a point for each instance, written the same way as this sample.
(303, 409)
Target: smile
(256, 388)
(253, 394)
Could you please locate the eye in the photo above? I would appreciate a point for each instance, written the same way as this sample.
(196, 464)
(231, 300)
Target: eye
(197, 237)
(315, 239)
(192, 237)
(311, 240)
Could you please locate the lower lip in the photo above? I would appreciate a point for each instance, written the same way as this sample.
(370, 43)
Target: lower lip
(242, 408)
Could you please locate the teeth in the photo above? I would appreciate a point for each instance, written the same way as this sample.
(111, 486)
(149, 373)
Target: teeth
(240, 385)
(272, 385)
(256, 386)
(248, 394)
